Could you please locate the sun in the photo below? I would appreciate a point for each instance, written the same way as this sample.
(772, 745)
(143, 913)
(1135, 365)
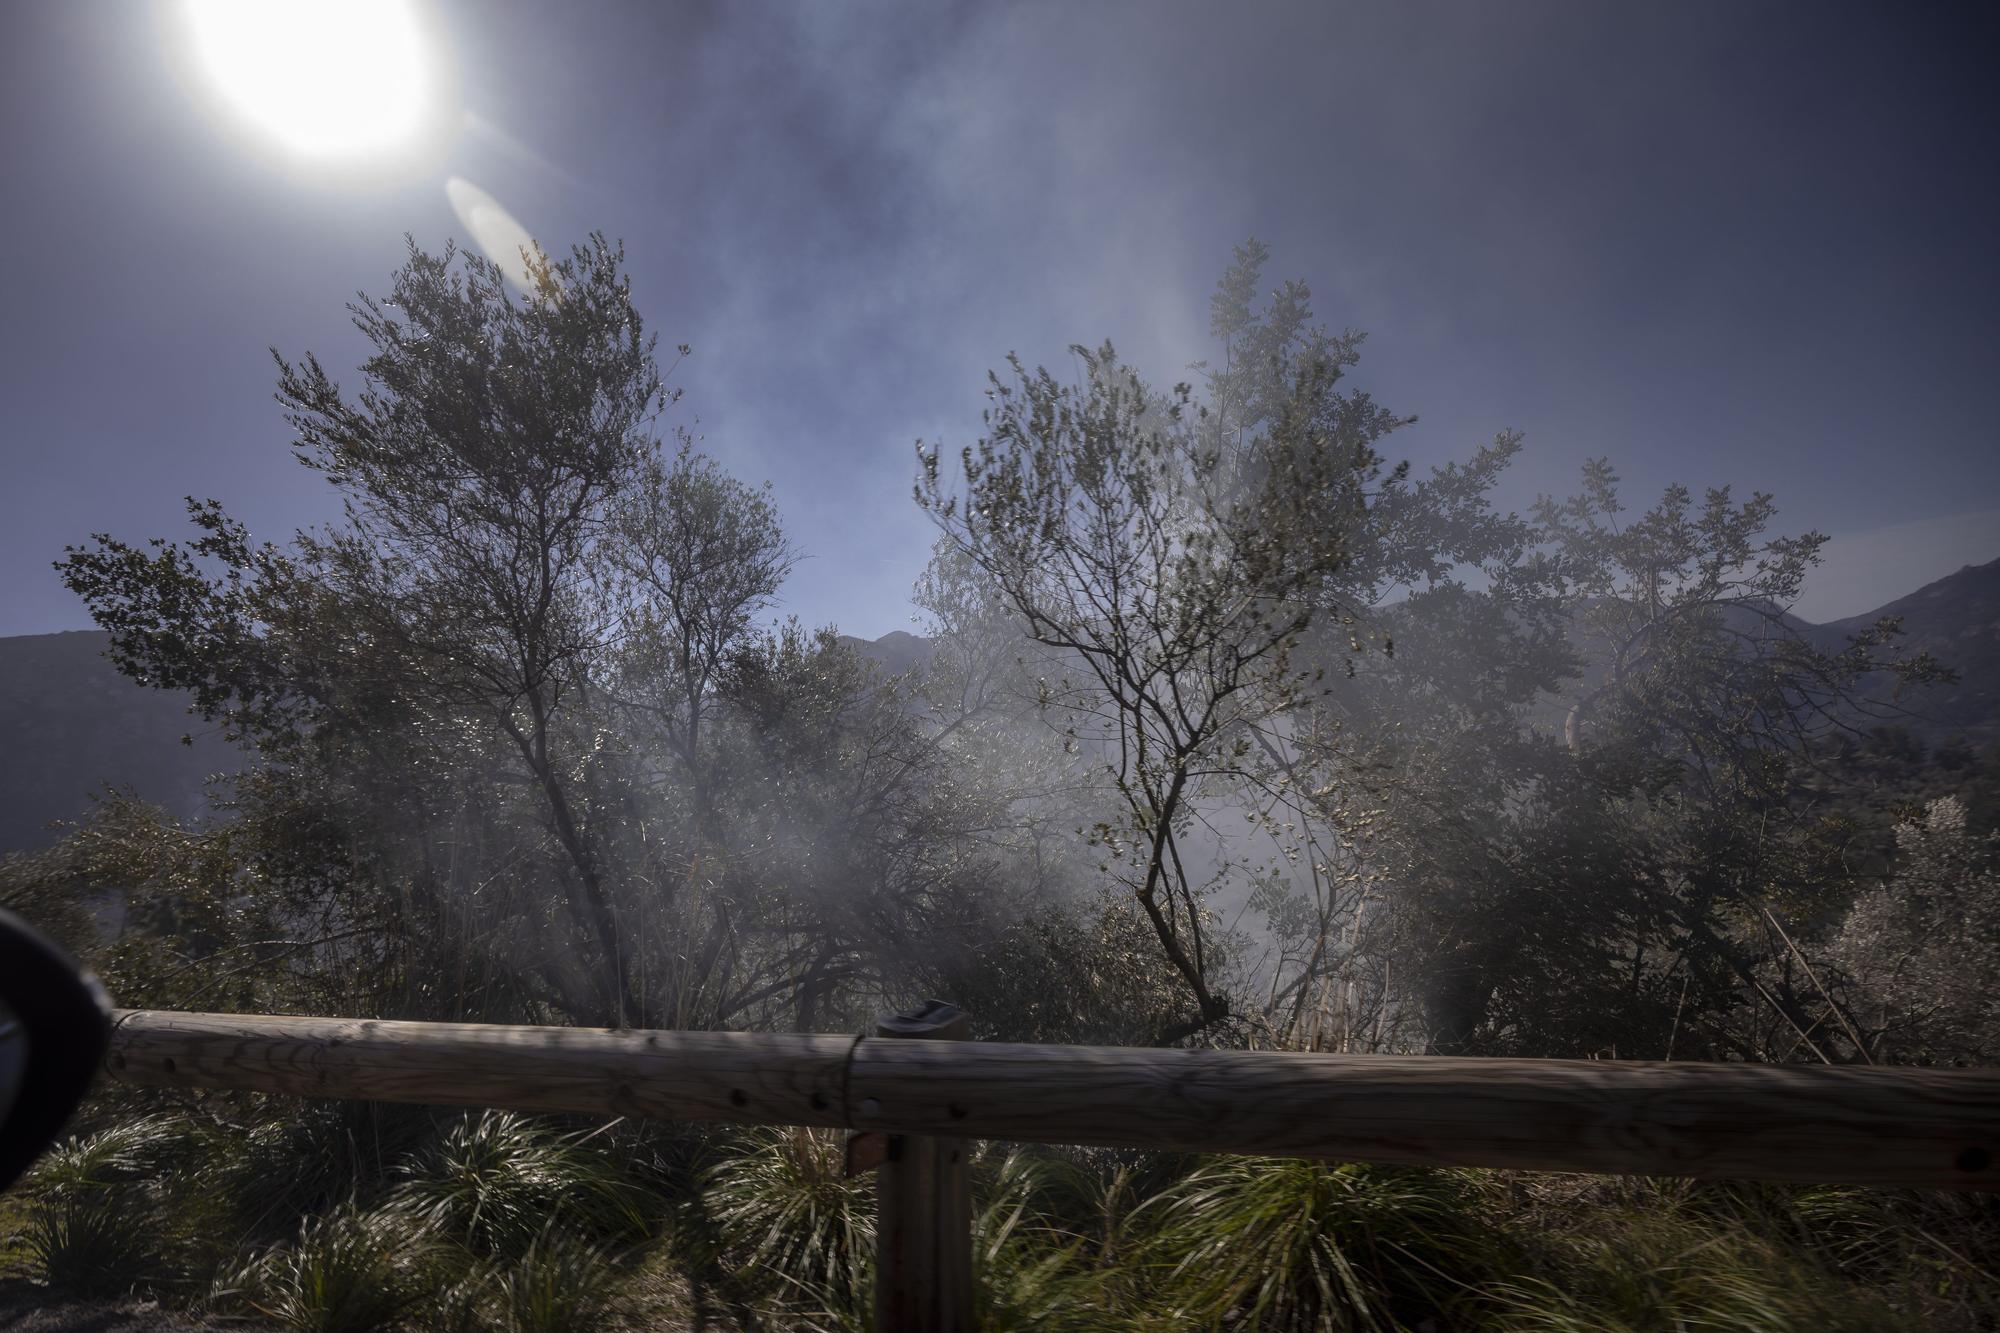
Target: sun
(326, 78)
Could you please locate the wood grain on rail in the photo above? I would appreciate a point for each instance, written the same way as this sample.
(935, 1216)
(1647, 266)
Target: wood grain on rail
(1927, 1128)
(726, 1076)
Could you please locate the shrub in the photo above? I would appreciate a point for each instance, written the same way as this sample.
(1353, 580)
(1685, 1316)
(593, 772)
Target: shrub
(97, 1218)
(496, 1182)
(1284, 1244)
(350, 1271)
(791, 1219)
(562, 1283)
(1665, 1274)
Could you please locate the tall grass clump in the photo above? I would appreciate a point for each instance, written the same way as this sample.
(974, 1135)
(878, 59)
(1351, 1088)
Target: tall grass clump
(1664, 1275)
(497, 1182)
(265, 1173)
(802, 1236)
(562, 1283)
(350, 1271)
(791, 1222)
(1635, 1255)
(502, 1224)
(1282, 1244)
(1933, 1255)
(99, 1215)
(1031, 1268)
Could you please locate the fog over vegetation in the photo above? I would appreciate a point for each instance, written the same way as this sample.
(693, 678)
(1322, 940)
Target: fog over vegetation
(1227, 730)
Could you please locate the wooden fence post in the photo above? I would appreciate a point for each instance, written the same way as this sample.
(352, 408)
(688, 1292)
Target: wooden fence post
(923, 1209)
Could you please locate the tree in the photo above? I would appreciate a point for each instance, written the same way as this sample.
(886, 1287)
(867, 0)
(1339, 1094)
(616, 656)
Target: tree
(538, 756)
(1171, 557)
(1630, 890)
(1389, 784)
(1685, 615)
(486, 473)
(479, 473)
(701, 554)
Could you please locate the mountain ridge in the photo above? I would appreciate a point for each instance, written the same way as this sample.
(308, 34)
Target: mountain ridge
(1957, 620)
(74, 725)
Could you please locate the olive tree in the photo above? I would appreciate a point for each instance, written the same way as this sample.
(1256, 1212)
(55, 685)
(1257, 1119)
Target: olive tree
(1640, 878)
(1684, 615)
(1170, 557)
(508, 525)
(698, 555)
(478, 470)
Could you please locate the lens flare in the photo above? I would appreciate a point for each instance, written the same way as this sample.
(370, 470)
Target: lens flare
(494, 230)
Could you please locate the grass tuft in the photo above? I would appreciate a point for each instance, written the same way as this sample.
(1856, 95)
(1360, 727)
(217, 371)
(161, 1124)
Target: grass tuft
(561, 1283)
(350, 1271)
(793, 1224)
(98, 1219)
(1284, 1245)
(496, 1182)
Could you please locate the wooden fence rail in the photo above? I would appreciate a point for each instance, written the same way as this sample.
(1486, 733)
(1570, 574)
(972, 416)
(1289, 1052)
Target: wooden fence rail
(911, 1104)
(1925, 1128)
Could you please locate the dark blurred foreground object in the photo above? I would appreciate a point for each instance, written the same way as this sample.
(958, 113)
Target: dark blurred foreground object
(54, 1024)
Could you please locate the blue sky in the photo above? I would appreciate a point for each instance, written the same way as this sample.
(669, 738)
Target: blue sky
(1734, 242)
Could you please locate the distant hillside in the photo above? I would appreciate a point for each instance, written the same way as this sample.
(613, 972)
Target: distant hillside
(70, 724)
(895, 652)
(1957, 619)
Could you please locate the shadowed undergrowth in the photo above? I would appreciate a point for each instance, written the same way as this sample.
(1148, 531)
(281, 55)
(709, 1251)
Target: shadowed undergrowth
(499, 1222)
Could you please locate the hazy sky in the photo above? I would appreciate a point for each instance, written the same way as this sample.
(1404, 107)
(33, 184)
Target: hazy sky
(1732, 242)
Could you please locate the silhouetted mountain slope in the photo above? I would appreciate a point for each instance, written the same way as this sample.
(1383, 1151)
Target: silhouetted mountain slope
(70, 724)
(895, 652)
(1956, 619)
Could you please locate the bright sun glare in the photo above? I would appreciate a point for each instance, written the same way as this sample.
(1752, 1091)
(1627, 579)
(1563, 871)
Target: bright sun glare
(325, 77)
